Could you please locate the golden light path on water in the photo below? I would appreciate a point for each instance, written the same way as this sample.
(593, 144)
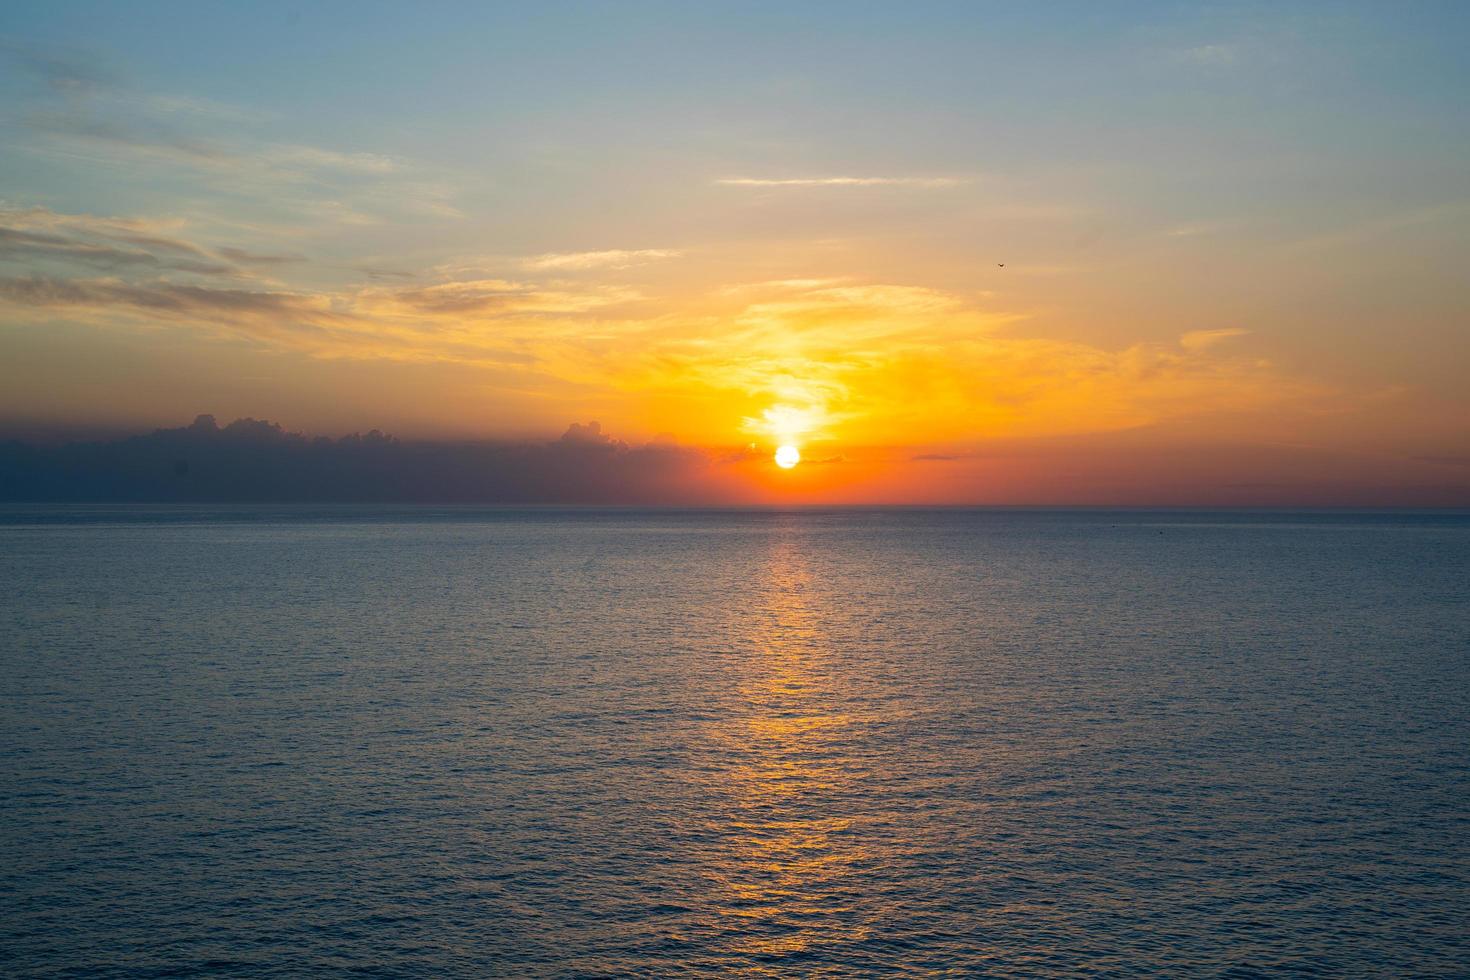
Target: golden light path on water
(786, 872)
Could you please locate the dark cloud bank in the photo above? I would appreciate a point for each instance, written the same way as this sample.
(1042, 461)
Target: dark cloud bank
(255, 461)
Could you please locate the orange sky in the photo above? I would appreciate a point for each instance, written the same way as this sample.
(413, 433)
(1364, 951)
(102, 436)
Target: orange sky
(1206, 259)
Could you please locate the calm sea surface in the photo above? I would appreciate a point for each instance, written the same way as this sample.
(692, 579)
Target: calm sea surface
(428, 743)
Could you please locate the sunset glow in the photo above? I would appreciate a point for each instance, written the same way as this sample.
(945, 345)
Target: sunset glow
(975, 295)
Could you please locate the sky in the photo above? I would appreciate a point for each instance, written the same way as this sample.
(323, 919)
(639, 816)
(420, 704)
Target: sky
(1139, 253)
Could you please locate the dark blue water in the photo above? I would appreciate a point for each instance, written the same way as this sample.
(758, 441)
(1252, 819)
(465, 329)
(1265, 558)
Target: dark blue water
(444, 742)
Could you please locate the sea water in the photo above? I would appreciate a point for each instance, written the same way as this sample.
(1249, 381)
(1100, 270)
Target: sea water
(420, 742)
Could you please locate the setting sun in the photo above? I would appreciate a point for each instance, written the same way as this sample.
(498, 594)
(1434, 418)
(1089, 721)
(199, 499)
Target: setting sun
(787, 457)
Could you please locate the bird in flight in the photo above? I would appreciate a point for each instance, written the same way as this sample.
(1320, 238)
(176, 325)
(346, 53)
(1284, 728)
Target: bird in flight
(1001, 264)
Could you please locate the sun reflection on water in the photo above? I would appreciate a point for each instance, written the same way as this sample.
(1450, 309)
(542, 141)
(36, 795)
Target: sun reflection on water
(785, 877)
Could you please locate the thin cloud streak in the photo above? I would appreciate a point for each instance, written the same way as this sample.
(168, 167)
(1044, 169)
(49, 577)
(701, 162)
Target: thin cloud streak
(1203, 339)
(83, 113)
(840, 181)
(38, 237)
(613, 258)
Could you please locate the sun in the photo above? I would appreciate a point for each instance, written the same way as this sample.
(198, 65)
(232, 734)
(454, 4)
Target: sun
(787, 457)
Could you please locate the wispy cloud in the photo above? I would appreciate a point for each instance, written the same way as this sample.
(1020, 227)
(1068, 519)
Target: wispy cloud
(316, 158)
(1203, 339)
(76, 74)
(143, 229)
(354, 188)
(245, 257)
(145, 137)
(379, 274)
(1200, 229)
(38, 239)
(162, 140)
(613, 258)
(79, 111)
(65, 71)
(279, 316)
(499, 296)
(31, 247)
(811, 357)
(782, 284)
(840, 181)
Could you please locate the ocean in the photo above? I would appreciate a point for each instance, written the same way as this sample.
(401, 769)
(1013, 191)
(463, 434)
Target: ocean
(400, 742)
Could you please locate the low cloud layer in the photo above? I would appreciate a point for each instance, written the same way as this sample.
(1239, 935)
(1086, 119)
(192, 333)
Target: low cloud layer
(257, 461)
(254, 461)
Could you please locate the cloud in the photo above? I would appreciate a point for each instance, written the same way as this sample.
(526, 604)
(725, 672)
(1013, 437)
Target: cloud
(153, 274)
(161, 297)
(589, 434)
(82, 111)
(144, 137)
(615, 258)
(881, 362)
(16, 245)
(316, 158)
(839, 181)
(1199, 229)
(279, 318)
(317, 324)
(770, 284)
(1202, 339)
(140, 120)
(504, 296)
(822, 358)
(77, 74)
(66, 72)
(39, 238)
(244, 257)
(160, 139)
(256, 460)
(375, 273)
(149, 230)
